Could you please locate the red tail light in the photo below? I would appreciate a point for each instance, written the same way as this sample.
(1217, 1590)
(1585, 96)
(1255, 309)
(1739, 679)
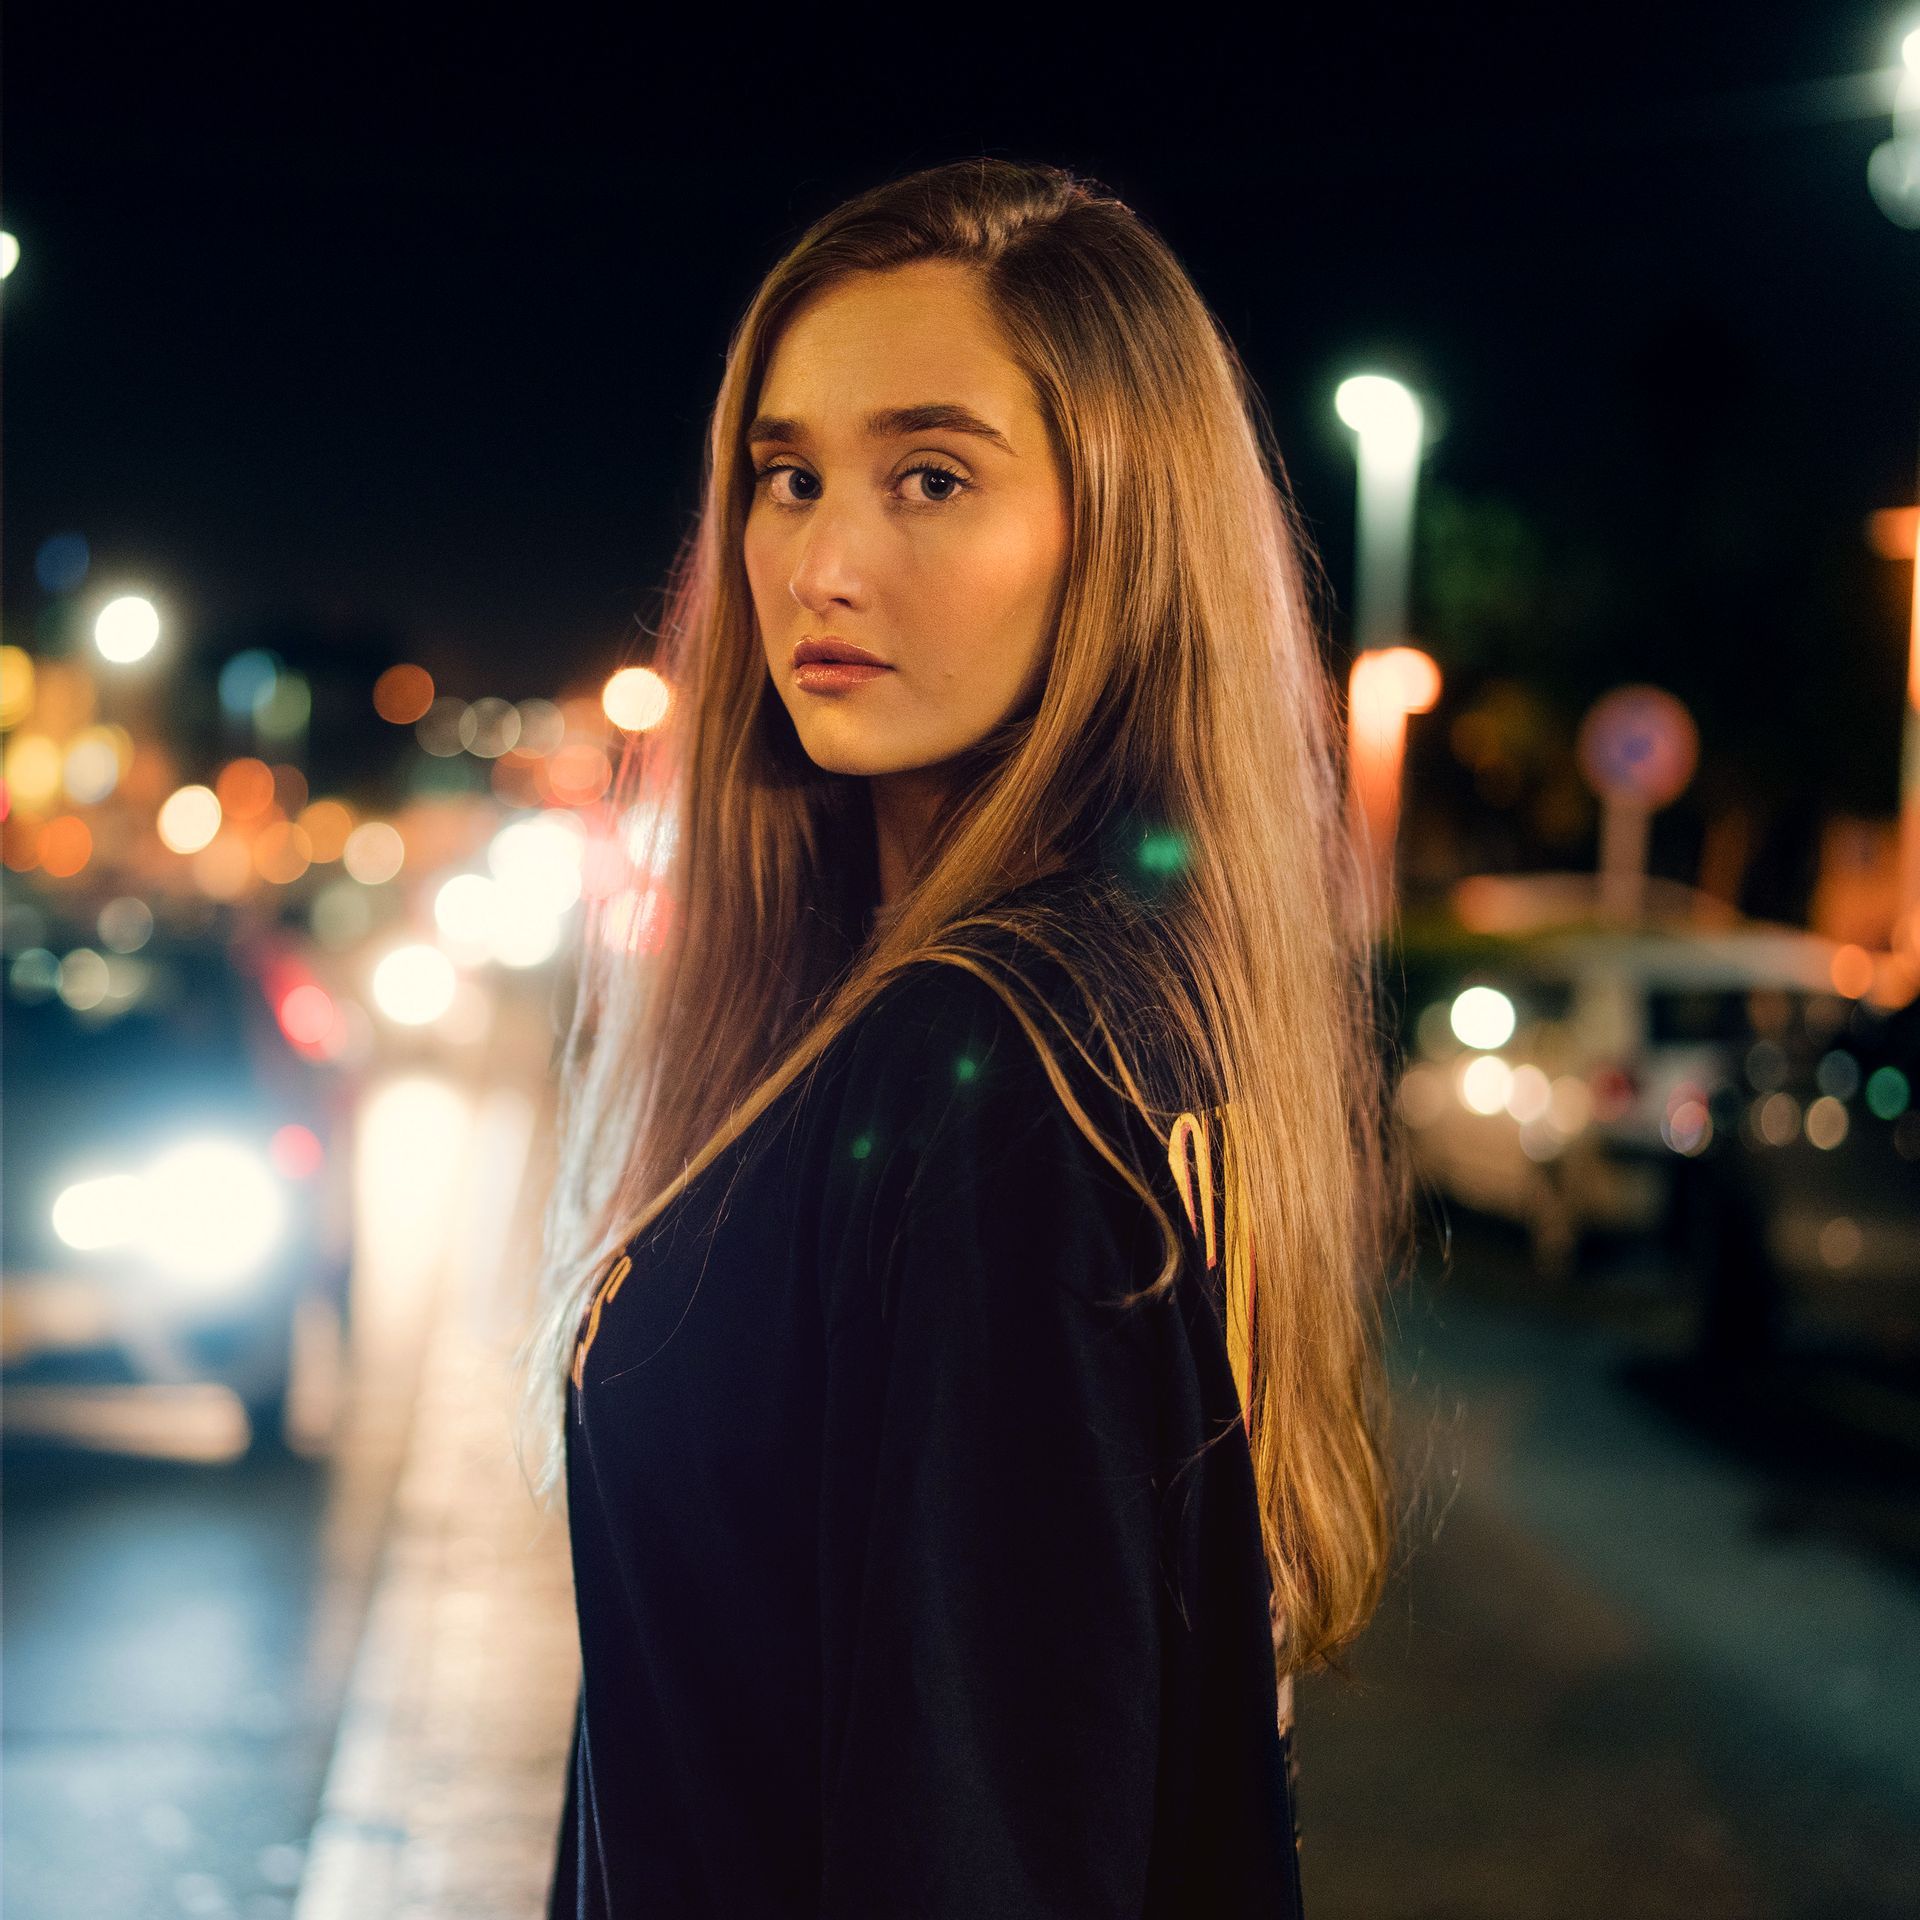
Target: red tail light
(1614, 1091)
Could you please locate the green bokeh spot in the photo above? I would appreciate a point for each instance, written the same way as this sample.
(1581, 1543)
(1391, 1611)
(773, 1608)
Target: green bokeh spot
(965, 1067)
(1888, 1093)
(1162, 853)
(863, 1146)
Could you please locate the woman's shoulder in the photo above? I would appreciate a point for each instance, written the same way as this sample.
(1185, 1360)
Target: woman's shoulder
(1002, 1031)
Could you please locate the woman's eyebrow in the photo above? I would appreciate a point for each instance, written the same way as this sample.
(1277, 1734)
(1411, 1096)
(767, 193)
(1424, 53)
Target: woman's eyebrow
(930, 416)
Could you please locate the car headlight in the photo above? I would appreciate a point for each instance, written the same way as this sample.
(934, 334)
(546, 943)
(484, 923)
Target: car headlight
(1482, 1018)
(206, 1211)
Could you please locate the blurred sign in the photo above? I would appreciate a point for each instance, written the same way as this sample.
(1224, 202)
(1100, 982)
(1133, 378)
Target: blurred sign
(1639, 746)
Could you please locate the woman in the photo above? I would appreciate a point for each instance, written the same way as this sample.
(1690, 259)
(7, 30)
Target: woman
(952, 1493)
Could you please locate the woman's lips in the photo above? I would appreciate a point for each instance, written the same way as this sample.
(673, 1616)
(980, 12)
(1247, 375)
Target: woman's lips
(834, 676)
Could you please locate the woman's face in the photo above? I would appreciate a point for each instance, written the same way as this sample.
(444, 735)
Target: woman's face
(940, 551)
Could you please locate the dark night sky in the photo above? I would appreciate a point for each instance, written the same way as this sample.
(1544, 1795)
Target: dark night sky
(405, 320)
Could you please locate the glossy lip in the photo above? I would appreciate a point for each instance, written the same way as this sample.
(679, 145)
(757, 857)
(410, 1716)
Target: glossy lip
(830, 647)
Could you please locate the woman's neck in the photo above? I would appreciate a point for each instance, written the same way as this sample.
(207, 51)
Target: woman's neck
(905, 806)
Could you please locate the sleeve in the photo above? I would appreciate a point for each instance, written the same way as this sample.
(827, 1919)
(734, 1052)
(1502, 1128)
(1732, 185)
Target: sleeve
(990, 1583)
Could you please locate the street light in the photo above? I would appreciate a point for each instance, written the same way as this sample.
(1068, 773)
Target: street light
(1387, 425)
(1390, 679)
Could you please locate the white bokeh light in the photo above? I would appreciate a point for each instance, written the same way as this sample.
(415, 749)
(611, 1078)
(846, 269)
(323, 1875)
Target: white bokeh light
(1482, 1017)
(127, 629)
(414, 985)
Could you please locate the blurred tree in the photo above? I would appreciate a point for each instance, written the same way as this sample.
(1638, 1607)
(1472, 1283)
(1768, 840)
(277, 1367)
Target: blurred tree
(1481, 569)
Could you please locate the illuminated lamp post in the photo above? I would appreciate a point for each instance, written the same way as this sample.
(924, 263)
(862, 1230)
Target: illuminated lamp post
(1387, 684)
(1893, 177)
(1390, 679)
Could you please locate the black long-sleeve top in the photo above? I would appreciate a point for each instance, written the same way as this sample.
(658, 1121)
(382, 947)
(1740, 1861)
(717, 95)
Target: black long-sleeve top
(915, 1578)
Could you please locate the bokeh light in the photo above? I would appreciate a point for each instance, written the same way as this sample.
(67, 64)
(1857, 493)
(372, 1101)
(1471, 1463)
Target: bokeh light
(66, 845)
(295, 1150)
(83, 979)
(542, 728)
(282, 853)
(32, 769)
(579, 774)
(35, 974)
(1888, 1093)
(438, 729)
(1530, 1096)
(91, 767)
(223, 868)
(189, 818)
(212, 1210)
(1482, 1017)
(374, 852)
(247, 682)
(635, 699)
(403, 694)
(489, 728)
(127, 629)
(245, 788)
(414, 984)
(1381, 411)
(16, 685)
(327, 823)
(537, 861)
(1388, 683)
(60, 562)
(289, 788)
(125, 924)
(91, 1215)
(1485, 1082)
(284, 712)
(306, 1013)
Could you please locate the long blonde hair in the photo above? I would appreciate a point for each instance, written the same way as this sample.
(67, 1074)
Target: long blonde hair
(1186, 707)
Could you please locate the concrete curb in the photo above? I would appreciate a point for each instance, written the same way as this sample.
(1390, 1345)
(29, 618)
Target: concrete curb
(446, 1787)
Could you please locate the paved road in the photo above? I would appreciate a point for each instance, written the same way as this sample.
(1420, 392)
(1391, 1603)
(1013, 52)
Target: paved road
(178, 1637)
(1636, 1663)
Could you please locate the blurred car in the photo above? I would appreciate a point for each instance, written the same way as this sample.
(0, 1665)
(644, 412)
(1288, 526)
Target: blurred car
(177, 1181)
(1561, 1063)
(1800, 1217)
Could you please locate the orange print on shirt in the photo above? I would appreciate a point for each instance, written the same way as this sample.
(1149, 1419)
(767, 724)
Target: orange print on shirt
(1190, 1155)
(602, 1294)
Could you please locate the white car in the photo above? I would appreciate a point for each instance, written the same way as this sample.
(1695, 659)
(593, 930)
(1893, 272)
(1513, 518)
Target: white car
(1560, 1062)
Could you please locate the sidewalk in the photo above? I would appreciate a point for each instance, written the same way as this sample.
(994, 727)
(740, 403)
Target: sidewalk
(444, 1795)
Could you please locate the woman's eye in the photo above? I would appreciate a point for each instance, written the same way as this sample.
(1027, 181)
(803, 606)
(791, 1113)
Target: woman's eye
(943, 483)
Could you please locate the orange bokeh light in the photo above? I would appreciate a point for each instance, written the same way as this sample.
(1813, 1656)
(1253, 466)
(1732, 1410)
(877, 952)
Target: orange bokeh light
(289, 789)
(20, 843)
(244, 788)
(1388, 682)
(66, 845)
(402, 694)
(578, 773)
(1891, 532)
(1852, 971)
(282, 854)
(326, 824)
